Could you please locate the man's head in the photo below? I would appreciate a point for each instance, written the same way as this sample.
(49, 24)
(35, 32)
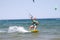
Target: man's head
(34, 18)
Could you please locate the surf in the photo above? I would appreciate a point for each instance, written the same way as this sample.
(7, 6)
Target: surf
(19, 29)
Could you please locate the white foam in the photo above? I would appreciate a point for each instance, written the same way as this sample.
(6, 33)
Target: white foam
(21, 29)
(16, 29)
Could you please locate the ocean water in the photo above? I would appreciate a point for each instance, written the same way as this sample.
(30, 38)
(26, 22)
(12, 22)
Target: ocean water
(49, 29)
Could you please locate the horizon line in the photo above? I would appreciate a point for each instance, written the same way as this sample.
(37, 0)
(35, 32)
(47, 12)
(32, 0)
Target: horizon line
(28, 18)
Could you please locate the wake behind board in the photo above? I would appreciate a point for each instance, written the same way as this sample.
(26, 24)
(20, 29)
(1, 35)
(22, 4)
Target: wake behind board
(34, 31)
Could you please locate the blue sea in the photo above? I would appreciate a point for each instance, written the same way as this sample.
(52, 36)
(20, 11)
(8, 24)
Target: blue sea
(18, 29)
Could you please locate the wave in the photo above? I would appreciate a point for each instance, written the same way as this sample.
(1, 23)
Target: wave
(17, 29)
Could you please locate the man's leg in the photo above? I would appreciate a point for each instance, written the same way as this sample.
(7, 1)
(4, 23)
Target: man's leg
(31, 27)
(35, 27)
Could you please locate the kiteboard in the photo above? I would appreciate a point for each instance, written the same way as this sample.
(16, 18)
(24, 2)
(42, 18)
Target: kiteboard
(34, 31)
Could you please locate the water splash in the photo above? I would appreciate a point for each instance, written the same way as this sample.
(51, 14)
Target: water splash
(17, 29)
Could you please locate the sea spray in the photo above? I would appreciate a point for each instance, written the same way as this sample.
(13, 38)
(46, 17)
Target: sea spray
(17, 29)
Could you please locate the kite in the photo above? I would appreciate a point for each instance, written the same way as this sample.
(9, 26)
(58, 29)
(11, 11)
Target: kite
(55, 8)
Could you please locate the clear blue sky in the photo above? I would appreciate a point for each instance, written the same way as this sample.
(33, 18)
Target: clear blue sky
(20, 9)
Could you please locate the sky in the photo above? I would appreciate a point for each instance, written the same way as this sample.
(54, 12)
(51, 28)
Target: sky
(21, 9)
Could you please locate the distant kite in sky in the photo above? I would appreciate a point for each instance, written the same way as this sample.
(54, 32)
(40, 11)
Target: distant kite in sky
(55, 8)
